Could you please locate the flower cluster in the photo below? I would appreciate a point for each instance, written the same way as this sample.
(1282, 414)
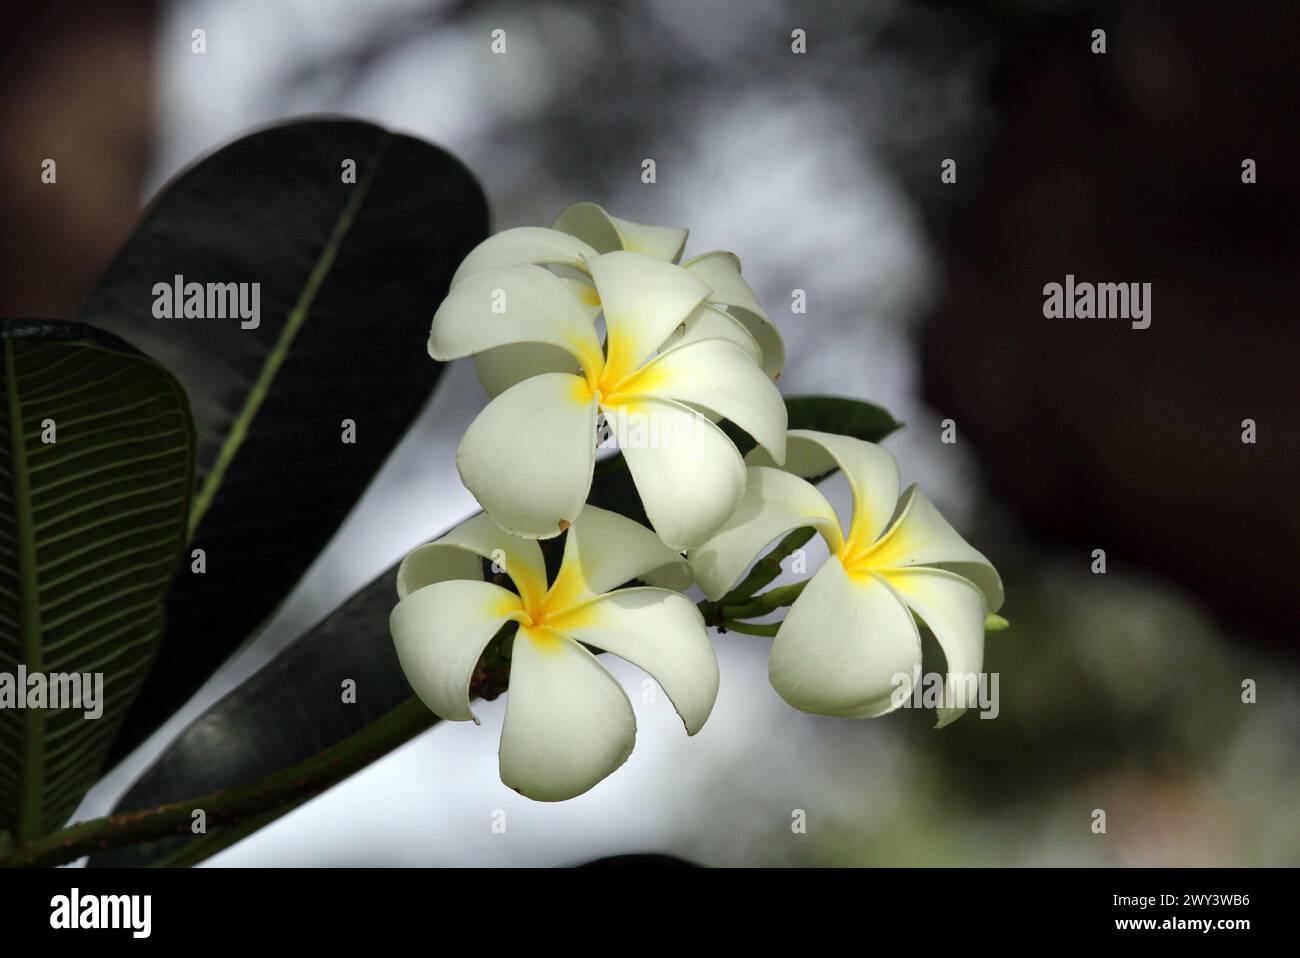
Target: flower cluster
(686, 345)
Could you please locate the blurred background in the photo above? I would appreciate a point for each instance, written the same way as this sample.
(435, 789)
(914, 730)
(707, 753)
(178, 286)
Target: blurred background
(821, 170)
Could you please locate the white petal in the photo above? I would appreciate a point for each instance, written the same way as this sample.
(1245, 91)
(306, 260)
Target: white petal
(721, 271)
(528, 456)
(524, 244)
(458, 555)
(659, 631)
(718, 376)
(501, 367)
(522, 304)
(585, 293)
(677, 578)
(590, 223)
(920, 536)
(605, 550)
(953, 608)
(644, 301)
(775, 503)
(689, 474)
(436, 562)
(606, 233)
(872, 472)
(709, 322)
(440, 631)
(842, 645)
(568, 723)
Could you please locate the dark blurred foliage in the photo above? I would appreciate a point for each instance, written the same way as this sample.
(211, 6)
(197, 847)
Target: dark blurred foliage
(77, 86)
(1126, 167)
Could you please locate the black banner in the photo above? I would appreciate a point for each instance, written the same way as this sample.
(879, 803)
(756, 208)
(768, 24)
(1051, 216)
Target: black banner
(637, 896)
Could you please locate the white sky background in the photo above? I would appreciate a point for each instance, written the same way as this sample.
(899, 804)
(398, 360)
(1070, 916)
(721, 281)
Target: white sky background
(786, 174)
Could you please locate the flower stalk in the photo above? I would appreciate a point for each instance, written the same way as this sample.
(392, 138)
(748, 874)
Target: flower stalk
(769, 567)
(762, 604)
(227, 807)
(767, 629)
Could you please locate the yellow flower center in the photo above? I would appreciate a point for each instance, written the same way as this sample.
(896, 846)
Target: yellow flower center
(534, 617)
(853, 554)
(605, 386)
(560, 607)
(862, 555)
(612, 386)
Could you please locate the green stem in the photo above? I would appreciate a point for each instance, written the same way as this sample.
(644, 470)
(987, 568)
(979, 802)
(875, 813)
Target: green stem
(267, 799)
(769, 601)
(769, 567)
(751, 628)
(204, 847)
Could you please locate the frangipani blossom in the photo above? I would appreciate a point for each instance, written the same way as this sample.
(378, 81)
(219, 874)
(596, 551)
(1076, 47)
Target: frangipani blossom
(850, 633)
(568, 723)
(528, 457)
(584, 230)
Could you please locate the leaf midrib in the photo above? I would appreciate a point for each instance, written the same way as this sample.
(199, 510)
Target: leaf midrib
(297, 317)
(33, 745)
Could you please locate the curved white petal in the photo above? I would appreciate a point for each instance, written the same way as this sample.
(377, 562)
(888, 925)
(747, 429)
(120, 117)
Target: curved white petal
(501, 367)
(524, 244)
(688, 473)
(590, 223)
(644, 301)
(528, 456)
(843, 645)
(521, 304)
(718, 376)
(872, 472)
(721, 271)
(568, 723)
(775, 503)
(709, 322)
(920, 536)
(604, 550)
(459, 555)
(659, 631)
(585, 293)
(953, 608)
(436, 562)
(605, 233)
(440, 631)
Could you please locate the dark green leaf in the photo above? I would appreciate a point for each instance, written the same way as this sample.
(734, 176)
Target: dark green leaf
(847, 417)
(96, 470)
(349, 275)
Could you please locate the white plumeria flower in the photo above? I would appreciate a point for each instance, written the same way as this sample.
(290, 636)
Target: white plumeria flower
(850, 634)
(568, 723)
(528, 457)
(583, 230)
